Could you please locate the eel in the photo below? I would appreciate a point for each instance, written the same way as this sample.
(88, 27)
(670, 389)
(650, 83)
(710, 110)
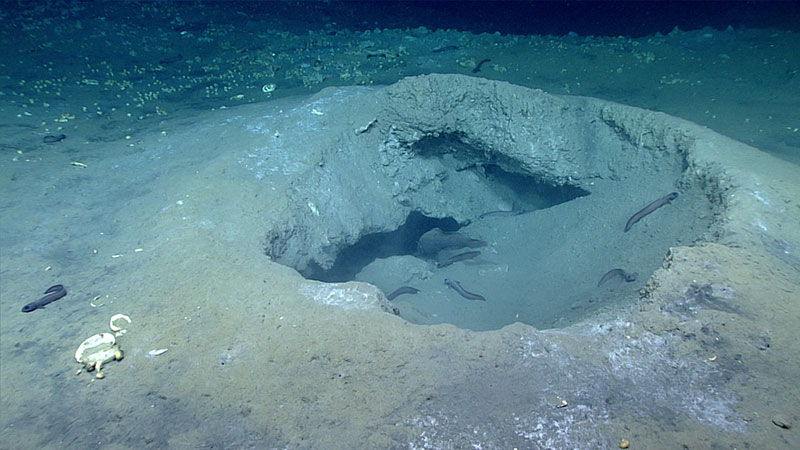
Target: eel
(435, 240)
(456, 286)
(627, 276)
(445, 48)
(502, 213)
(650, 208)
(170, 59)
(50, 295)
(457, 258)
(402, 290)
(478, 67)
(54, 139)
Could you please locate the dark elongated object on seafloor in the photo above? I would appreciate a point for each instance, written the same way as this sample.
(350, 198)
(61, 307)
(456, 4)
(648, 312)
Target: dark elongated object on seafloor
(627, 276)
(402, 290)
(478, 67)
(436, 240)
(50, 295)
(456, 286)
(54, 139)
(650, 208)
(457, 258)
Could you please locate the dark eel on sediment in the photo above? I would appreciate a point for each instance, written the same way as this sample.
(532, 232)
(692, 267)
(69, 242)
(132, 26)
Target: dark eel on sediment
(650, 208)
(50, 295)
(627, 276)
(54, 139)
(478, 66)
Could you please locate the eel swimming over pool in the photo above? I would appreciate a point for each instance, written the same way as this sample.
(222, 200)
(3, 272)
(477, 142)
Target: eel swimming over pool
(650, 208)
(437, 240)
(502, 213)
(402, 290)
(50, 295)
(456, 286)
(457, 258)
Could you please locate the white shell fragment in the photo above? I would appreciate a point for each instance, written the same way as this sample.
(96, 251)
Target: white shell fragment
(156, 352)
(119, 331)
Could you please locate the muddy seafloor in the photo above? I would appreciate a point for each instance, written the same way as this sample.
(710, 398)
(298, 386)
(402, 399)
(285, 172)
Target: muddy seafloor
(169, 220)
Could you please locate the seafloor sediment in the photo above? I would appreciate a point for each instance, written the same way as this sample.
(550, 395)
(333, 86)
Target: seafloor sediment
(180, 164)
(262, 357)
